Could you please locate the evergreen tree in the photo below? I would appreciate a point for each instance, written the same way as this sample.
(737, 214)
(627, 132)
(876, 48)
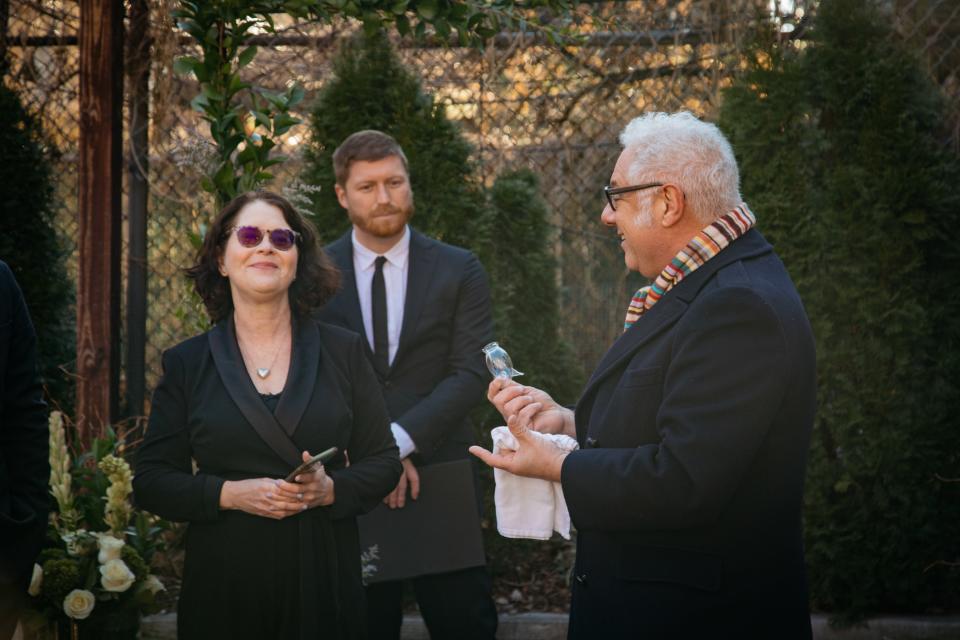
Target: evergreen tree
(514, 245)
(371, 89)
(507, 228)
(843, 159)
(523, 277)
(30, 245)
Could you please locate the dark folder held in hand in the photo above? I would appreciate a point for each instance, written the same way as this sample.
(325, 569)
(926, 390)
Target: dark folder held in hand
(437, 533)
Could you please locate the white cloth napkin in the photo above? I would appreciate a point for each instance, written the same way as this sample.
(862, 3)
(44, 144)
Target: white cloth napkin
(529, 507)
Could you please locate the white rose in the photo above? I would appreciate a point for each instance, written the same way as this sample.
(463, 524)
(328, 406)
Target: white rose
(36, 581)
(116, 576)
(152, 584)
(78, 604)
(110, 548)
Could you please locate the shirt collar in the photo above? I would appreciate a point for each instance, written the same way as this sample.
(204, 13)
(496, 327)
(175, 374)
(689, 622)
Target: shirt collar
(397, 254)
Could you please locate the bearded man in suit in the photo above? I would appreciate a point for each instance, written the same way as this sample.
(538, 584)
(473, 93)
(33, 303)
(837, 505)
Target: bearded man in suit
(424, 307)
(686, 491)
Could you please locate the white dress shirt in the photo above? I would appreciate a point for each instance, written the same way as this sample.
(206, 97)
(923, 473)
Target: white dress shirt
(395, 271)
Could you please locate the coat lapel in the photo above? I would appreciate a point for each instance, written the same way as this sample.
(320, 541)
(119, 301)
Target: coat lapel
(655, 321)
(666, 312)
(233, 373)
(422, 260)
(348, 300)
(302, 378)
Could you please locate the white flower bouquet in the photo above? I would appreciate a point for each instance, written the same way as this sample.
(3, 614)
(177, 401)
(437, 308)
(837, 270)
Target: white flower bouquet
(97, 564)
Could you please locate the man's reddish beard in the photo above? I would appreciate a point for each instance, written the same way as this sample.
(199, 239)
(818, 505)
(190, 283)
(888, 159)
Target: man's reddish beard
(382, 226)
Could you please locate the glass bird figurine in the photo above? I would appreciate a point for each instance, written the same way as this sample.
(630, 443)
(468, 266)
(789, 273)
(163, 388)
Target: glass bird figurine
(498, 361)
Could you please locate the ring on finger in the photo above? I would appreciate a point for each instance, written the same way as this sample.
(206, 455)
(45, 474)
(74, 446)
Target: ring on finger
(300, 497)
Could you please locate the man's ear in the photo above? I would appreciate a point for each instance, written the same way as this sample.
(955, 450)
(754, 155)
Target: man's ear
(674, 205)
(341, 195)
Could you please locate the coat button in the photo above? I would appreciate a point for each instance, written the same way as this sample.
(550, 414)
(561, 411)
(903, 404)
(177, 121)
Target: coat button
(582, 579)
(592, 443)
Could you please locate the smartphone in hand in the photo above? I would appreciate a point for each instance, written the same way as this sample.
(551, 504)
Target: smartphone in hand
(308, 466)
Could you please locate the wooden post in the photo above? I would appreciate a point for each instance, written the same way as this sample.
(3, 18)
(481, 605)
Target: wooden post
(138, 68)
(98, 284)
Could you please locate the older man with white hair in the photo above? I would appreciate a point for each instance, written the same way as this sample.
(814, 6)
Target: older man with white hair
(686, 490)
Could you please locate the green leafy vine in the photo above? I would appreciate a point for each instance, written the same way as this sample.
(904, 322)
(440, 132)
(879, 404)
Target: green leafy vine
(246, 121)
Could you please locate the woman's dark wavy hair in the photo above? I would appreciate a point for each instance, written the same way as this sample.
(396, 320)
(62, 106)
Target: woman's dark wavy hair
(317, 278)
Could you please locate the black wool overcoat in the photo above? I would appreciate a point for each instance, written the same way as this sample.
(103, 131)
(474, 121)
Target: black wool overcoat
(694, 429)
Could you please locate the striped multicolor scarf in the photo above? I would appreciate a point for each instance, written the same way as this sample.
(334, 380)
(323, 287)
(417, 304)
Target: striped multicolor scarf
(714, 238)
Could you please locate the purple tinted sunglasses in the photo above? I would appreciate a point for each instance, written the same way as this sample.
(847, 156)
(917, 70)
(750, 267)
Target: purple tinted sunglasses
(281, 239)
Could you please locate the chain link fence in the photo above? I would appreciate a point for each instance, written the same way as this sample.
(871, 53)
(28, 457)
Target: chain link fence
(521, 103)
(933, 28)
(43, 69)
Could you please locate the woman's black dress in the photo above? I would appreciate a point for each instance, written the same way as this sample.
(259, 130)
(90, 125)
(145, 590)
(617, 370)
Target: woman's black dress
(247, 576)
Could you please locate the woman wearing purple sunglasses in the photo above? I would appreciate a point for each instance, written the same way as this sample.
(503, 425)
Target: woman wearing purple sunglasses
(242, 405)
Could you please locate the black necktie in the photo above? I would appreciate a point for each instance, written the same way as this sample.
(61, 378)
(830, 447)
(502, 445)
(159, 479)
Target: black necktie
(378, 299)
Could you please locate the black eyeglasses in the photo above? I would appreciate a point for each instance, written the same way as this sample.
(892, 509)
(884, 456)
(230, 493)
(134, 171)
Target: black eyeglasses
(607, 191)
(281, 239)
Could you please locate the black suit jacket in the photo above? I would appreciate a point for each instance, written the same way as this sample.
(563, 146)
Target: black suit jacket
(694, 430)
(24, 438)
(438, 374)
(248, 576)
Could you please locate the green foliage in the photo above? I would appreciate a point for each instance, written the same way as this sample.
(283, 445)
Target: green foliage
(132, 559)
(146, 535)
(506, 226)
(842, 157)
(516, 250)
(245, 120)
(60, 577)
(51, 554)
(85, 553)
(371, 89)
(30, 244)
(468, 22)
(90, 483)
(517, 253)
